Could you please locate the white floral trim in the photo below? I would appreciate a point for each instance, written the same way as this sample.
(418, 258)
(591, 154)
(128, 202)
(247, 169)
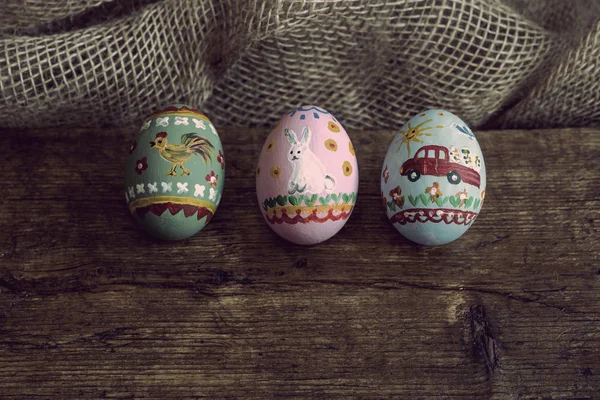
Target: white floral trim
(199, 123)
(182, 187)
(164, 121)
(146, 125)
(166, 186)
(199, 190)
(152, 188)
(132, 192)
(181, 121)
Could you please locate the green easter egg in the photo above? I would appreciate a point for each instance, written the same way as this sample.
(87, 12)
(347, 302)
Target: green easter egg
(175, 173)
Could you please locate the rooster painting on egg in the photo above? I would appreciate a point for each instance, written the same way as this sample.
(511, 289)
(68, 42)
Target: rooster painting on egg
(312, 186)
(178, 154)
(174, 181)
(308, 172)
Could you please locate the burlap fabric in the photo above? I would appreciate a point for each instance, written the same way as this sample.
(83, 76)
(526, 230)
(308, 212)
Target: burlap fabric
(373, 63)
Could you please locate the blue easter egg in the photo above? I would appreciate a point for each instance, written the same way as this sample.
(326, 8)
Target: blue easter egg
(433, 178)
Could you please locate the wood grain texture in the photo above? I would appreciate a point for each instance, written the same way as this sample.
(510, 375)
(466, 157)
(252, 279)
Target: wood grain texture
(92, 307)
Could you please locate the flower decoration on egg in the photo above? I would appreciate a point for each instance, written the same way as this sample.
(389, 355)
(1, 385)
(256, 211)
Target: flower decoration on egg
(181, 121)
(212, 178)
(333, 127)
(141, 165)
(162, 121)
(455, 155)
(462, 196)
(386, 174)
(198, 123)
(199, 190)
(275, 172)
(331, 145)
(167, 186)
(384, 200)
(221, 159)
(347, 168)
(132, 147)
(477, 163)
(271, 146)
(153, 187)
(434, 191)
(351, 148)
(466, 156)
(397, 197)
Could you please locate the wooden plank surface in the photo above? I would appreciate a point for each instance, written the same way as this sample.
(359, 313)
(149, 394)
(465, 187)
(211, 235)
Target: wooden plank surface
(91, 307)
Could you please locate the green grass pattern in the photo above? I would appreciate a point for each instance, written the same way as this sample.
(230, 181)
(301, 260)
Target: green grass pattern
(455, 201)
(440, 202)
(309, 201)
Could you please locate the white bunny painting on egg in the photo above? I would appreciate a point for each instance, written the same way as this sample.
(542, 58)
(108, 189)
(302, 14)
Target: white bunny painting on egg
(308, 172)
(307, 176)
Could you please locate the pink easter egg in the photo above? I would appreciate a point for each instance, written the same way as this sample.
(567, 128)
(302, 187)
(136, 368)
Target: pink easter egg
(307, 176)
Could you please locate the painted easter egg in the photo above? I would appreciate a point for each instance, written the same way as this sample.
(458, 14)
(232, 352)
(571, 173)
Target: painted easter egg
(307, 176)
(175, 172)
(433, 178)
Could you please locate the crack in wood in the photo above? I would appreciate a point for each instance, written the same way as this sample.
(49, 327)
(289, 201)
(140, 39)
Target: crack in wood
(484, 244)
(485, 345)
(33, 287)
(507, 295)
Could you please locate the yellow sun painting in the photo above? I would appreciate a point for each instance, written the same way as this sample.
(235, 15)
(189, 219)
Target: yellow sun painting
(412, 134)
